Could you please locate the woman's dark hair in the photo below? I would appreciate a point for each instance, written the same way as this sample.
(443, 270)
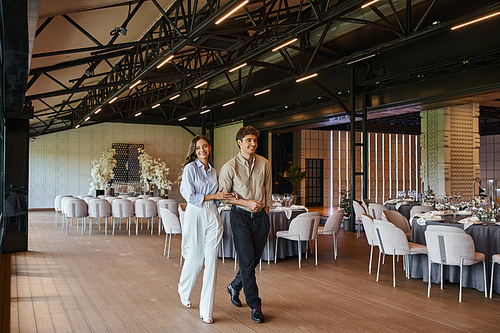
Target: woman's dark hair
(191, 154)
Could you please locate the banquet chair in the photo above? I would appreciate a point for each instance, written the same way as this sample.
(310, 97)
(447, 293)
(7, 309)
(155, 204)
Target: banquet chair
(82, 196)
(124, 196)
(104, 196)
(144, 196)
(398, 220)
(121, 209)
(371, 236)
(171, 204)
(133, 199)
(172, 226)
(365, 203)
(375, 210)
(392, 241)
(75, 208)
(451, 246)
(359, 210)
(420, 210)
(299, 230)
(495, 259)
(313, 236)
(87, 199)
(332, 227)
(145, 208)
(57, 204)
(63, 201)
(309, 214)
(99, 208)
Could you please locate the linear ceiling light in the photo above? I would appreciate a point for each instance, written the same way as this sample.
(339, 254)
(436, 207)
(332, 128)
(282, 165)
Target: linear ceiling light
(369, 4)
(205, 111)
(474, 21)
(155, 106)
(200, 85)
(87, 118)
(165, 61)
(360, 59)
(183, 118)
(262, 92)
(174, 97)
(231, 12)
(306, 77)
(135, 84)
(77, 126)
(289, 42)
(97, 111)
(237, 67)
(228, 103)
(113, 99)
(138, 114)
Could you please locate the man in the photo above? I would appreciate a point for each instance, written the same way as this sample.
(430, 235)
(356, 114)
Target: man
(248, 175)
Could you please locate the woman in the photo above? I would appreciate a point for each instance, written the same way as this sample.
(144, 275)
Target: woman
(202, 227)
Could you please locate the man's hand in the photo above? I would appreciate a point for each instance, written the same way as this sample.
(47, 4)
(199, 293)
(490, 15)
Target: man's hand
(254, 205)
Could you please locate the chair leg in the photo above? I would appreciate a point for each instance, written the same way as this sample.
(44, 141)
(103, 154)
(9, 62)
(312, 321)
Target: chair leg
(335, 248)
(152, 225)
(90, 226)
(371, 259)
(491, 284)
(222, 245)
(165, 248)
(276, 250)
(136, 227)
(268, 251)
(441, 276)
(429, 281)
(485, 286)
(300, 251)
(57, 213)
(169, 243)
(114, 224)
(394, 269)
(378, 265)
(460, 292)
(106, 226)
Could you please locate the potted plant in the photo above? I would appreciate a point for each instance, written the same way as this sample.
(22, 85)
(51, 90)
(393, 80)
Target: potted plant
(294, 176)
(345, 203)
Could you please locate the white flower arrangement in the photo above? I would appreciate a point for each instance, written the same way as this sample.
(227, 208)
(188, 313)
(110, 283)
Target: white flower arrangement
(102, 171)
(154, 170)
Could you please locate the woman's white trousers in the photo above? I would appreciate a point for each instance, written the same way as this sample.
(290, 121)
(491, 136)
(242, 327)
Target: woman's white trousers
(201, 237)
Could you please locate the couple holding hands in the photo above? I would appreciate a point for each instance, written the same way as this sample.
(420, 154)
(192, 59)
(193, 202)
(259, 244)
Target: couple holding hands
(245, 183)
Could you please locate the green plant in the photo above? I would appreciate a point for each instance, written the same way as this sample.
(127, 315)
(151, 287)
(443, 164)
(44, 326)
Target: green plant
(294, 176)
(345, 203)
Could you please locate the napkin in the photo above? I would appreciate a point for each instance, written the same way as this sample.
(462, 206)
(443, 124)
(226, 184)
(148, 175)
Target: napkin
(299, 207)
(469, 221)
(287, 210)
(223, 207)
(464, 212)
(421, 218)
(392, 201)
(401, 203)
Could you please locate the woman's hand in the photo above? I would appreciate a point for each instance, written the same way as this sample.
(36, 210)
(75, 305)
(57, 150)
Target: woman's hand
(222, 195)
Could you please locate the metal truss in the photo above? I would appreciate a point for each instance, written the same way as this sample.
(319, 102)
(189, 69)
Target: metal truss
(205, 52)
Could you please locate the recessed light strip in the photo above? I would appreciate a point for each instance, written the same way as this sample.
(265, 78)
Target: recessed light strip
(289, 42)
(97, 111)
(475, 21)
(155, 106)
(262, 92)
(369, 4)
(183, 118)
(231, 12)
(174, 97)
(138, 114)
(360, 59)
(228, 103)
(165, 61)
(200, 85)
(237, 67)
(306, 77)
(86, 119)
(113, 99)
(202, 112)
(135, 84)
(77, 126)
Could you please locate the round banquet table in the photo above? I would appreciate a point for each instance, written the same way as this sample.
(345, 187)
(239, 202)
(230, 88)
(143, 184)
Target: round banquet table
(278, 221)
(486, 240)
(403, 209)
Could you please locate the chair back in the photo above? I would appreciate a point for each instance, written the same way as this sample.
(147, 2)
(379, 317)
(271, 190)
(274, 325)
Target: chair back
(315, 226)
(309, 214)
(143, 196)
(104, 196)
(87, 199)
(358, 210)
(181, 214)
(111, 199)
(171, 204)
(99, 208)
(63, 203)
(156, 199)
(124, 196)
(145, 208)
(171, 223)
(333, 223)
(420, 210)
(447, 245)
(301, 226)
(375, 210)
(369, 227)
(75, 208)
(133, 199)
(57, 202)
(391, 239)
(122, 208)
(396, 218)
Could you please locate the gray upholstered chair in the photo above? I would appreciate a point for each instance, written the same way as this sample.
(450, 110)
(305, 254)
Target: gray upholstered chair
(371, 236)
(299, 230)
(375, 210)
(99, 208)
(392, 241)
(75, 208)
(57, 204)
(332, 227)
(145, 208)
(448, 245)
(420, 210)
(121, 209)
(495, 259)
(398, 220)
(172, 226)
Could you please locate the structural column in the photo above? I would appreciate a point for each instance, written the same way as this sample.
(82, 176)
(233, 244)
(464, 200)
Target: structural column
(450, 149)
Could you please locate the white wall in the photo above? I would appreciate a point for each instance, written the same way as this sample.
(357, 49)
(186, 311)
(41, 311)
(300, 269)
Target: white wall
(60, 163)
